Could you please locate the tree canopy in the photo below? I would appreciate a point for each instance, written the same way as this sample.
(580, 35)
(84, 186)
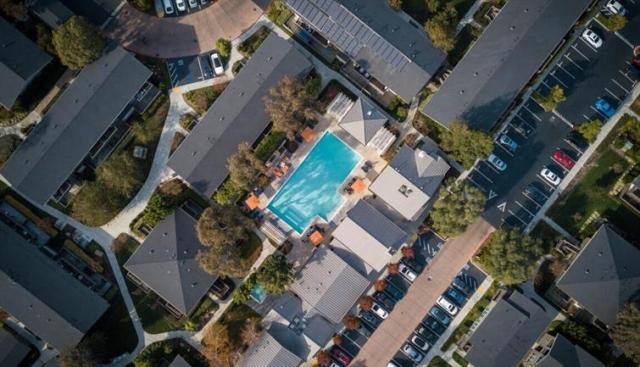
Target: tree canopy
(441, 28)
(510, 257)
(275, 274)
(551, 100)
(395, 4)
(458, 205)
(626, 331)
(245, 167)
(290, 104)
(590, 130)
(77, 42)
(465, 144)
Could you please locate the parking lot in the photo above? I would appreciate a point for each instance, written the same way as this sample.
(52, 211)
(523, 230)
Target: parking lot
(425, 248)
(585, 73)
(191, 69)
(187, 6)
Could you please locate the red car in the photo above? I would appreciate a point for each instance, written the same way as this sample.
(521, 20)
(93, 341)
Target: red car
(340, 356)
(563, 158)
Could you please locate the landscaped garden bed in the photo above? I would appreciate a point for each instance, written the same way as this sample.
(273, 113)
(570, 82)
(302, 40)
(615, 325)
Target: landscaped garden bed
(251, 44)
(164, 352)
(201, 99)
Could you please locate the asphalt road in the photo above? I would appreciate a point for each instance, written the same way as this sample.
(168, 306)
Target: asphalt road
(585, 73)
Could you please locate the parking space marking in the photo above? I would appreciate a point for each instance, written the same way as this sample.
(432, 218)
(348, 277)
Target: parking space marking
(613, 95)
(491, 167)
(573, 62)
(532, 114)
(620, 86)
(517, 217)
(623, 39)
(588, 45)
(525, 122)
(565, 70)
(627, 76)
(533, 201)
(598, 111)
(553, 74)
(544, 181)
(477, 184)
(503, 148)
(579, 52)
(482, 174)
(524, 208)
(586, 117)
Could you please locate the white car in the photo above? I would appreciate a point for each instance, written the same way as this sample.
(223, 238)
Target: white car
(592, 38)
(448, 306)
(550, 176)
(407, 272)
(193, 3)
(614, 7)
(181, 5)
(497, 162)
(168, 7)
(216, 61)
(379, 311)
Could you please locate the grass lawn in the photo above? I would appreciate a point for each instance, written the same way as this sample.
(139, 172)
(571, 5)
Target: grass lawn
(127, 247)
(201, 99)
(205, 306)
(155, 319)
(269, 144)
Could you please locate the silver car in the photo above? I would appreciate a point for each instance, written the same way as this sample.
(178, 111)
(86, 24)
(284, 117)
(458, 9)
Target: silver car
(550, 176)
(498, 163)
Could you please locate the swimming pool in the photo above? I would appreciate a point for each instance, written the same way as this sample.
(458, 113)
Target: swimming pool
(312, 190)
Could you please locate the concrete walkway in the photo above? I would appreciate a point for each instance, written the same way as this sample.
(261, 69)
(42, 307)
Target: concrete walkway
(468, 17)
(560, 230)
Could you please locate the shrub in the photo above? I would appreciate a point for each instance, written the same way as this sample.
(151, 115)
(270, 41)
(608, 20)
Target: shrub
(228, 193)
(201, 99)
(224, 48)
(187, 121)
(590, 130)
(408, 252)
(395, 4)
(351, 322)
(379, 285)
(365, 303)
(278, 12)
(77, 42)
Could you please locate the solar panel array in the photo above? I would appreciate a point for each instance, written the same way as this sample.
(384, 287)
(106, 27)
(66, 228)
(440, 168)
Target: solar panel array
(346, 31)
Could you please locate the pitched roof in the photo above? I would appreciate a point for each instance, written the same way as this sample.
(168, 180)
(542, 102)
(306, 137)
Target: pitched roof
(166, 262)
(82, 114)
(369, 234)
(178, 361)
(397, 53)
(507, 333)
(328, 285)
(49, 301)
(20, 61)
(564, 353)
(411, 180)
(363, 121)
(267, 352)
(237, 116)
(604, 276)
(53, 12)
(503, 60)
(12, 350)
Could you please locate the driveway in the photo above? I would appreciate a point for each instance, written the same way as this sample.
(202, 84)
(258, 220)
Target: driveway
(192, 34)
(422, 295)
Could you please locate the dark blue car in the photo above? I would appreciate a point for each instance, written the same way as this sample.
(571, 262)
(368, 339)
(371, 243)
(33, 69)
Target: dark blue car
(455, 296)
(605, 107)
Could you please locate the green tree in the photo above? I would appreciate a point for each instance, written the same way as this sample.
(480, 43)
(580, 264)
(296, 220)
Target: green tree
(578, 333)
(589, 130)
(614, 22)
(441, 28)
(465, 144)
(289, 104)
(77, 42)
(245, 168)
(275, 274)
(395, 4)
(15, 9)
(626, 331)
(510, 257)
(224, 48)
(122, 173)
(433, 5)
(159, 207)
(458, 205)
(550, 101)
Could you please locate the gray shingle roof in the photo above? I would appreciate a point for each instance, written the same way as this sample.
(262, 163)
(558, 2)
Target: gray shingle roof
(395, 52)
(328, 285)
(237, 116)
(267, 352)
(507, 333)
(411, 180)
(512, 48)
(82, 114)
(20, 61)
(604, 276)
(363, 121)
(566, 354)
(12, 350)
(166, 262)
(53, 12)
(49, 301)
(369, 234)
(178, 361)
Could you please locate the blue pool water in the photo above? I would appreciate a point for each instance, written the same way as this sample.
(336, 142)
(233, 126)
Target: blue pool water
(312, 190)
(258, 294)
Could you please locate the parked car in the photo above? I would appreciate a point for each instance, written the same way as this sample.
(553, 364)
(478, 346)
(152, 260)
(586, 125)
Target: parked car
(447, 305)
(563, 159)
(427, 334)
(522, 127)
(193, 3)
(420, 343)
(369, 318)
(508, 142)
(335, 364)
(498, 163)
(455, 296)
(440, 315)
(378, 310)
(413, 264)
(340, 356)
(459, 283)
(614, 7)
(385, 300)
(534, 194)
(181, 5)
(216, 61)
(364, 330)
(392, 364)
(433, 325)
(393, 291)
(407, 272)
(223, 287)
(592, 38)
(412, 353)
(605, 107)
(576, 140)
(550, 176)
(204, 2)
(168, 7)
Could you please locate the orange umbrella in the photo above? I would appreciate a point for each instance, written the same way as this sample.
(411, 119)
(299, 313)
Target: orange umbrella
(308, 134)
(316, 238)
(359, 185)
(252, 202)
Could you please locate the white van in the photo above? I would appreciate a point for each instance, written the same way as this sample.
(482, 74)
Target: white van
(168, 7)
